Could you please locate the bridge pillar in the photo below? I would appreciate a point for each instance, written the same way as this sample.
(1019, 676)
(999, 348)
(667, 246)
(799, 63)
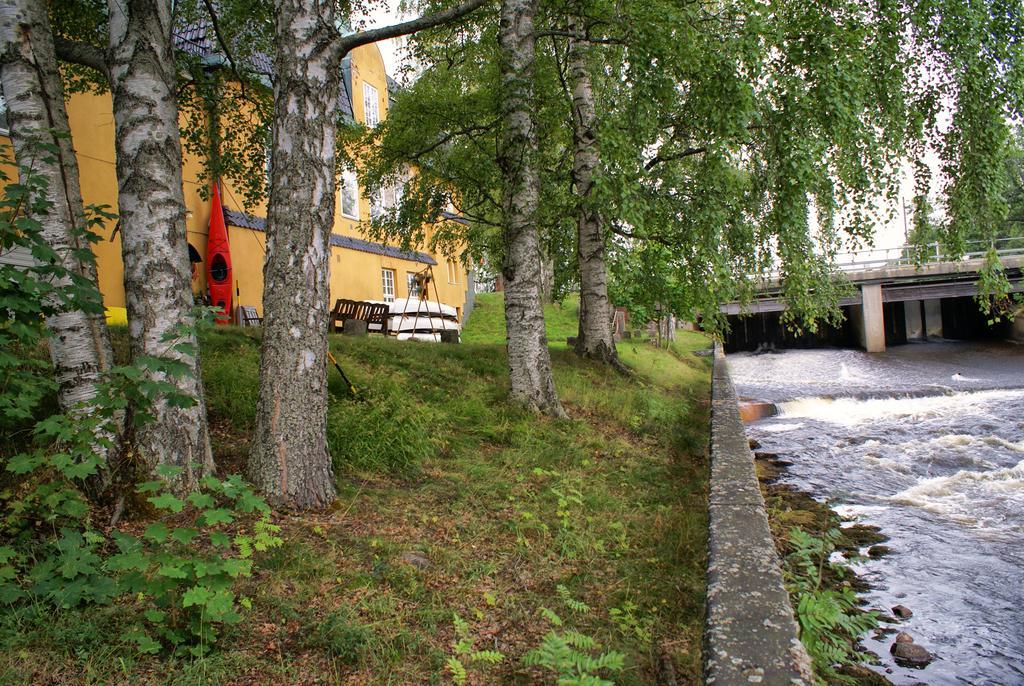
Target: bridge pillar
(933, 317)
(912, 311)
(872, 319)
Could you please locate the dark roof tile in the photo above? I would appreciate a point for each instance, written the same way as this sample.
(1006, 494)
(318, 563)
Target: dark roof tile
(250, 221)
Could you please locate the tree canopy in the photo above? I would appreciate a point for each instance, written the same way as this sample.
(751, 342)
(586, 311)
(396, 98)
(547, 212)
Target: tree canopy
(737, 139)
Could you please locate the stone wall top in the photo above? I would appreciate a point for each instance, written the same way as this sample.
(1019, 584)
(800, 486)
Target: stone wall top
(750, 634)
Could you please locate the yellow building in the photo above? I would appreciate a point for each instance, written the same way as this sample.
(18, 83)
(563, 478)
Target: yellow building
(360, 269)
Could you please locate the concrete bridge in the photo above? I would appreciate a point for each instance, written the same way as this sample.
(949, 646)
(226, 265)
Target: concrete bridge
(898, 298)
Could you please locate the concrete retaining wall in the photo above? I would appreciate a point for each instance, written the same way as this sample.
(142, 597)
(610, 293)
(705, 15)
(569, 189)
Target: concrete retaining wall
(750, 635)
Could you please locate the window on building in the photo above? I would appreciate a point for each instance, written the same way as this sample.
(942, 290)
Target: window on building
(388, 282)
(399, 191)
(371, 105)
(414, 287)
(377, 204)
(349, 194)
(453, 271)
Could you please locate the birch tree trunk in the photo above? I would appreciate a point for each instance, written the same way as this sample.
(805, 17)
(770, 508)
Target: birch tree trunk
(595, 338)
(529, 360)
(79, 344)
(153, 240)
(547, 276)
(289, 460)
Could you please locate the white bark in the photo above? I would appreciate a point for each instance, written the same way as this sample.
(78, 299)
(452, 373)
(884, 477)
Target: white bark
(529, 359)
(152, 210)
(79, 344)
(595, 339)
(289, 459)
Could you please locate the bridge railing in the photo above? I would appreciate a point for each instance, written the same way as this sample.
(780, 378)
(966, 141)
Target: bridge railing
(907, 255)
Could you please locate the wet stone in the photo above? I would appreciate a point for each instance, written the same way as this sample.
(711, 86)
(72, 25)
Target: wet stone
(911, 655)
(877, 551)
(902, 612)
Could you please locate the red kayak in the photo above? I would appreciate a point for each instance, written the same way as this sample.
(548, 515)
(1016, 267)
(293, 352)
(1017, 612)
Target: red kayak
(218, 261)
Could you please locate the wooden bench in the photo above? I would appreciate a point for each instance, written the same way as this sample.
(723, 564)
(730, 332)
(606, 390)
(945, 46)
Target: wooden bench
(374, 314)
(247, 316)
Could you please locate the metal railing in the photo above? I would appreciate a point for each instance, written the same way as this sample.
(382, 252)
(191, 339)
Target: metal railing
(910, 255)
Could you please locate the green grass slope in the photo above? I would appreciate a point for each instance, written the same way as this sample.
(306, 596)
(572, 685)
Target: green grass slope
(452, 502)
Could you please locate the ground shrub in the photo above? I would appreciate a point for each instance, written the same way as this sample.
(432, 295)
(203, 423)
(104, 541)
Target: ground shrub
(340, 635)
(385, 431)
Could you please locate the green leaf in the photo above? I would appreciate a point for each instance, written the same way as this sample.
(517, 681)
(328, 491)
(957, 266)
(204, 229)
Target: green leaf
(184, 535)
(217, 516)
(127, 561)
(172, 571)
(220, 539)
(248, 501)
(157, 532)
(167, 501)
(155, 616)
(234, 567)
(221, 605)
(23, 463)
(147, 645)
(197, 595)
(201, 500)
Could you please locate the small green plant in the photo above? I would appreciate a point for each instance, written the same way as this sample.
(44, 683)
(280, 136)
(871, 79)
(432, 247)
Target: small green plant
(340, 635)
(632, 624)
(464, 653)
(180, 573)
(570, 654)
(186, 573)
(830, 621)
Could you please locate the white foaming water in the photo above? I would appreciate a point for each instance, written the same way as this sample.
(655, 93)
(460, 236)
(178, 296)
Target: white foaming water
(978, 498)
(942, 476)
(850, 411)
(780, 428)
(887, 463)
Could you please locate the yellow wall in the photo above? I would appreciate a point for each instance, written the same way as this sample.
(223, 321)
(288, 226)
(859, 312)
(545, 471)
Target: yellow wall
(353, 274)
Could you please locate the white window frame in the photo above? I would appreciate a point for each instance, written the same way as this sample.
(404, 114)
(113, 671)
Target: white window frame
(387, 279)
(410, 283)
(348, 176)
(371, 105)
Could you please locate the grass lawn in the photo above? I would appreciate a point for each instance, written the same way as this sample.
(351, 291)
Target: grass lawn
(452, 504)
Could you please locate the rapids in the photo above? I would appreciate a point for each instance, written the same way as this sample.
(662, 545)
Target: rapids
(927, 442)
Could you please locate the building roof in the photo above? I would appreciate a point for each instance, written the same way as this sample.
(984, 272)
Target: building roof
(197, 38)
(251, 221)
(380, 249)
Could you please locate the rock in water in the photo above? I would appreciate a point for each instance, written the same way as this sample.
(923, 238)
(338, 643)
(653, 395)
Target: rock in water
(911, 655)
(754, 443)
(904, 637)
(902, 612)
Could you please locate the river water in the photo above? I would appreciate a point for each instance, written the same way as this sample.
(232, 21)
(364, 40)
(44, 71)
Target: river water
(927, 442)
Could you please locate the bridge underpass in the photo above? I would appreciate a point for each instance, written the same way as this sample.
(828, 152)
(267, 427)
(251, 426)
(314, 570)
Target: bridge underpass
(894, 303)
